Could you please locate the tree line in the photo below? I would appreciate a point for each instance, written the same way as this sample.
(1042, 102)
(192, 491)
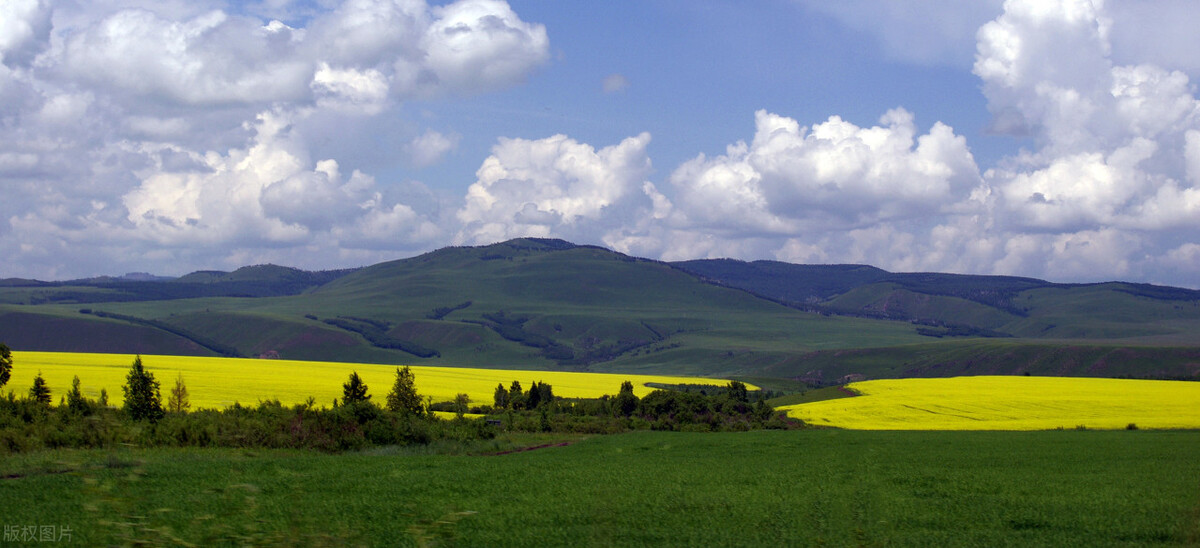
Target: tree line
(354, 421)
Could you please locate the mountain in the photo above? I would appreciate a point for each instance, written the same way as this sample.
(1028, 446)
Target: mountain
(794, 283)
(960, 305)
(248, 281)
(549, 304)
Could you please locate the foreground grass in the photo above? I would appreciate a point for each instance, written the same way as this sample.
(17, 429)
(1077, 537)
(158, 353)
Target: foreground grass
(1082, 488)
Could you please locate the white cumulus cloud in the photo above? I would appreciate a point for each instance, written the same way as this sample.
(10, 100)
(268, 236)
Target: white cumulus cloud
(24, 30)
(160, 129)
(556, 186)
(214, 58)
(192, 134)
(832, 176)
(1110, 189)
(1114, 169)
(268, 194)
(475, 45)
(429, 147)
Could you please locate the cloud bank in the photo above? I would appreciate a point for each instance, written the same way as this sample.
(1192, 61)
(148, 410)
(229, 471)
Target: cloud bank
(165, 133)
(182, 134)
(1109, 191)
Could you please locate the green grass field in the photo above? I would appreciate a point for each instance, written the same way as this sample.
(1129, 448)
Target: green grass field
(798, 488)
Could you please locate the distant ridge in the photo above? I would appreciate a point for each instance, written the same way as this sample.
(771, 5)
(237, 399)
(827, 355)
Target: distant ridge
(544, 303)
(268, 273)
(823, 284)
(795, 283)
(249, 281)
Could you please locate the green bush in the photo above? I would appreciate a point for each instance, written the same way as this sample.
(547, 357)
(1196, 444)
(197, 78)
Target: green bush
(6, 364)
(27, 424)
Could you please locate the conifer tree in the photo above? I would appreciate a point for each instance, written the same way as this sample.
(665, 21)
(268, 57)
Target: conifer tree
(39, 392)
(177, 401)
(142, 398)
(75, 400)
(500, 397)
(354, 390)
(516, 399)
(534, 397)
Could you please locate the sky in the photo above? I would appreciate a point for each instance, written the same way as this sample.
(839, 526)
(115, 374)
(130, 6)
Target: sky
(1057, 139)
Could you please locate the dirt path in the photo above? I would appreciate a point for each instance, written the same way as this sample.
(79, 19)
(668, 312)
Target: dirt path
(530, 448)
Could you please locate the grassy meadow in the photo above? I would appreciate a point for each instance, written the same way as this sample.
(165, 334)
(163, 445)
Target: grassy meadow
(762, 488)
(1008, 403)
(215, 383)
(884, 476)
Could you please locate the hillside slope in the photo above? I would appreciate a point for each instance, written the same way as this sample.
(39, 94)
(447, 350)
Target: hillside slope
(549, 304)
(967, 305)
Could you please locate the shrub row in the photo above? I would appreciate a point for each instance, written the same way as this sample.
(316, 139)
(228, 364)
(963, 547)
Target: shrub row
(513, 329)
(26, 425)
(442, 311)
(222, 349)
(372, 331)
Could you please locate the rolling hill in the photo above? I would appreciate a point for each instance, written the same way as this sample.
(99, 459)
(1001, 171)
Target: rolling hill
(549, 304)
(961, 305)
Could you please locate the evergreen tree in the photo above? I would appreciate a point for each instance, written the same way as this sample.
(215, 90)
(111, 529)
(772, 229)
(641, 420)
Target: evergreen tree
(516, 399)
(142, 398)
(6, 363)
(39, 392)
(354, 390)
(500, 397)
(534, 398)
(75, 400)
(178, 402)
(404, 398)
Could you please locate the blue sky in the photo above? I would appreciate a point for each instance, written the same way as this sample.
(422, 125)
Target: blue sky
(697, 71)
(1049, 138)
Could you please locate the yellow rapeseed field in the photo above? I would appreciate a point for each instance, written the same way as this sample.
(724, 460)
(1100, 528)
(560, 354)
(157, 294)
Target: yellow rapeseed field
(1008, 403)
(219, 382)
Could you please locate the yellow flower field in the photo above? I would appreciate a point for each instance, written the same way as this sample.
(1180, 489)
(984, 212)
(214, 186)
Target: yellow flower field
(218, 382)
(1008, 403)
